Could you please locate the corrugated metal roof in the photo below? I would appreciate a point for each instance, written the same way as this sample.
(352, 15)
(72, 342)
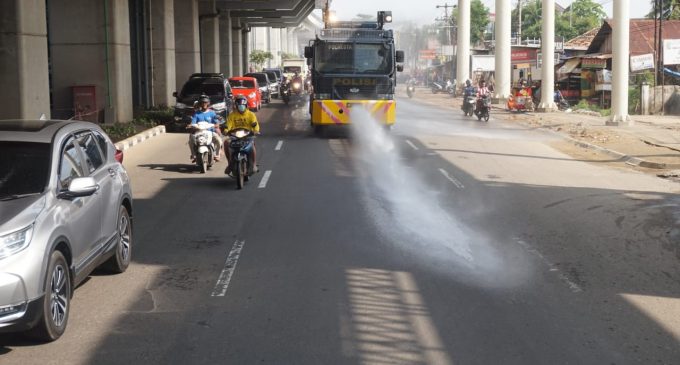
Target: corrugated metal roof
(583, 41)
(641, 35)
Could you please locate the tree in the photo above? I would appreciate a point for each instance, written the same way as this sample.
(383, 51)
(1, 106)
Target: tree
(479, 20)
(580, 17)
(259, 57)
(671, 10)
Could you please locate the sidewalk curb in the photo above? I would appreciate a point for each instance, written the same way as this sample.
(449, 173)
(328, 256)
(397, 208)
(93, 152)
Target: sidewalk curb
(140, 137)
(630, 160)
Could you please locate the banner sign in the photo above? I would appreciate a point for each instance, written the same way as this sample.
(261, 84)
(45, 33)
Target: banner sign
(671, 52)
(593, 63)
(642, 62)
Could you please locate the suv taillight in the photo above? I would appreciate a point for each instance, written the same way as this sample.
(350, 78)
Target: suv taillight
(119, 155)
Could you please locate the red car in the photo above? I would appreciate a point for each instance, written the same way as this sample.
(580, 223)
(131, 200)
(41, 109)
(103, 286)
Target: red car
(248, 87)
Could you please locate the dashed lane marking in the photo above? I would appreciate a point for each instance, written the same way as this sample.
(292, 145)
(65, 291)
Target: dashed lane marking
(551, 267)
(452, 179)
(229, 267)
(265, 179)
(415, 148)
(278, 146)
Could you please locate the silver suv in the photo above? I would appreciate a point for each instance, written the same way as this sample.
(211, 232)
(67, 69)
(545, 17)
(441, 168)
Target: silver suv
(65, 209)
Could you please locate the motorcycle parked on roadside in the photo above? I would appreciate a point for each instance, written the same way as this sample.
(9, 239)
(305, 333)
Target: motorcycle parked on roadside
(205, 146)
(436, 87)
(482, 111)
(451, 88)
(241, 145)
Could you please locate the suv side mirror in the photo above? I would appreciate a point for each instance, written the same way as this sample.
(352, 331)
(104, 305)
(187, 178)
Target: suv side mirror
(309, 52)
(174, 94)
(400, 56)
(400, 68)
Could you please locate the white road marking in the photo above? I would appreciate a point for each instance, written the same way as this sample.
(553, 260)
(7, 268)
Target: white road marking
(229, 267)
(265, 178)
(551, 267)
(452, 179)
(412, 145)
(278, 146)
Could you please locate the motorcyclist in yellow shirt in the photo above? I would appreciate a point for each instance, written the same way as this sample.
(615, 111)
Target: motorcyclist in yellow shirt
(241, 118)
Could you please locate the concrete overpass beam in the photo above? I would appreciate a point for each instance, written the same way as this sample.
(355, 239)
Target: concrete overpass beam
(226, 39)
(503, 59)
(620, 63)
(210, 36)
(95, 50)
(163, 47)
(548, 57)
(463, 55)
(237, 47)
(187, 42)
(24, 76)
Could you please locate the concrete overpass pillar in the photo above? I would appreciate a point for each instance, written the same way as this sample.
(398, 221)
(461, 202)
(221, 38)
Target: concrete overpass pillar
(620, 63)
(284, 40)
(548, 57)
(210, 36)
(95, 50)
(237, 47)
(24, 75)
(463, 52)
(226, 40)
(163, 47)
(503, 59)
(187, 43)
(245, 50)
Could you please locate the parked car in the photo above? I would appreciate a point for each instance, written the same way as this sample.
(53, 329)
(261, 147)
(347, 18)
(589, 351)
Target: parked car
(277, 71)
(274, 84)
(215, 85)
(263, 81)
(65, 209)
(248, 87)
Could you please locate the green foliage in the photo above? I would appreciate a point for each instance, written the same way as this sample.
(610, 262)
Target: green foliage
(259, 57)
(479, 20)
(119, 131)
(287, 55)
(671, 10)
(156, 117)
(580, 17)
(147, 120)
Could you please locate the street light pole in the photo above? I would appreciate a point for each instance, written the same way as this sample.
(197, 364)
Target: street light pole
(446, 7)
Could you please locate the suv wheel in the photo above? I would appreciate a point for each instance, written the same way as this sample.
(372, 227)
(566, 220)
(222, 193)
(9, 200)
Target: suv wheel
(120, 260)
(56, 301)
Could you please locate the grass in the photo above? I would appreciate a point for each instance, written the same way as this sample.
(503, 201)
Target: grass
(585, 105)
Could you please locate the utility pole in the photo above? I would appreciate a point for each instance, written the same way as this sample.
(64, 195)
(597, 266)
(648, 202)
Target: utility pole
(446, 7)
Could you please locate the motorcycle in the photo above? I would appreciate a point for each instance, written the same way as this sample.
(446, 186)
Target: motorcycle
(451, 88)
(485, 106)
(437, 87)
(205, 146)
(469, 103)
(410, 90)
(285, 92)
(240, 146)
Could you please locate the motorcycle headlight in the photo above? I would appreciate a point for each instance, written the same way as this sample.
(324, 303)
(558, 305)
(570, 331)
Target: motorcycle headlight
(16, 241)
(219, 106)
(252, 95)
(296, 85)
(180, 106)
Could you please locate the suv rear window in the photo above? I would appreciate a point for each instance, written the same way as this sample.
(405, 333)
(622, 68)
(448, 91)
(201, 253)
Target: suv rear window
(242, 84)
(196, 86)
(261, 78)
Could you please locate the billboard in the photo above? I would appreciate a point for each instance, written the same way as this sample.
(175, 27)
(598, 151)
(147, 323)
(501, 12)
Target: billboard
(642, 62)
(671, 51)
(483, 63)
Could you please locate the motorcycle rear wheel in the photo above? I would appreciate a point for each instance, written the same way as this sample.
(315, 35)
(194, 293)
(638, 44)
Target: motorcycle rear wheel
(240, 174)
(203, 163)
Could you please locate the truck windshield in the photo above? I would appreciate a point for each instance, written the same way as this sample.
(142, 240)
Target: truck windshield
(366, 58)
(292, 69)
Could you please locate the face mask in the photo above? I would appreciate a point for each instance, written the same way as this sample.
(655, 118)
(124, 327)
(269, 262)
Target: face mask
(241, 108)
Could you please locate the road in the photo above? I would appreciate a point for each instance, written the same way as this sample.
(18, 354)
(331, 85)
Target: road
(446, 241)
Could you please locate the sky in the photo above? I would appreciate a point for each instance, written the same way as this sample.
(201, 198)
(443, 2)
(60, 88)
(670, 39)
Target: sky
(425, 11)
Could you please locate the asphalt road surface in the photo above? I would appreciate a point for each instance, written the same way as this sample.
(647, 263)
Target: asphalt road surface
(444, 241)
